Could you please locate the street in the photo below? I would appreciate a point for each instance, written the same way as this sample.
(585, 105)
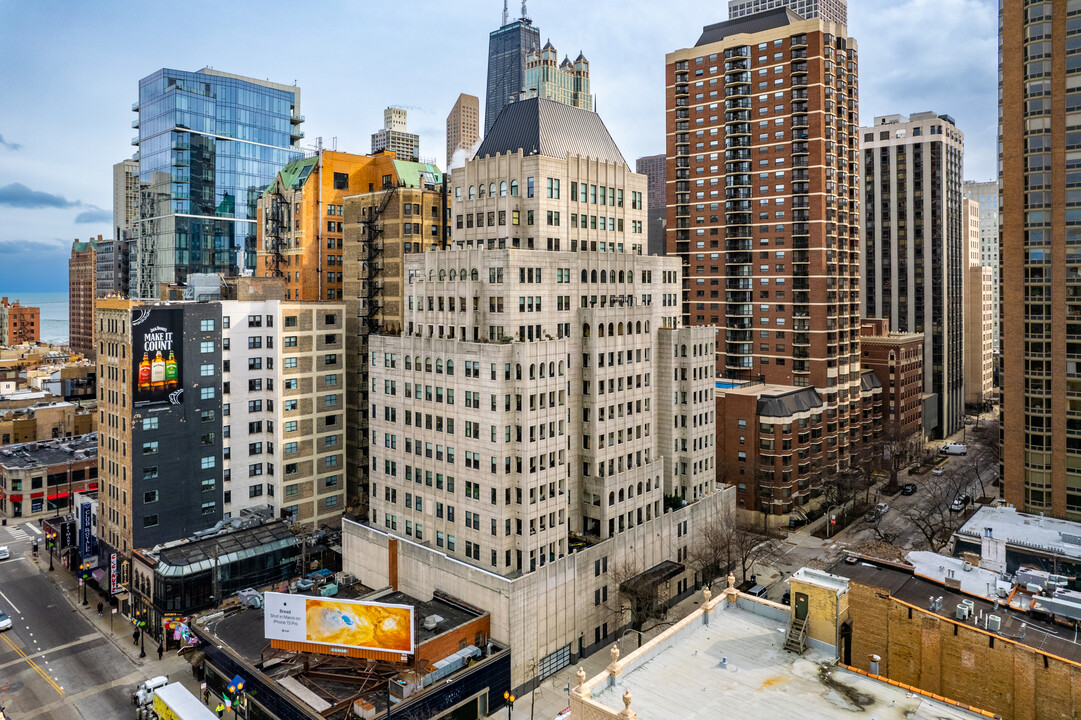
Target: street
(58, 661)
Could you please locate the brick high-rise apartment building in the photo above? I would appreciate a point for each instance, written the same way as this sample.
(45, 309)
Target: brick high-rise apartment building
(82, 296)
(463, 125)
(1040, 259)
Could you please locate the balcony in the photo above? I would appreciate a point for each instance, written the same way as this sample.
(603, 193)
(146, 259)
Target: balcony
(296, 119)
(296, 135)
(135, 106)
(135, 141)
(135, 124)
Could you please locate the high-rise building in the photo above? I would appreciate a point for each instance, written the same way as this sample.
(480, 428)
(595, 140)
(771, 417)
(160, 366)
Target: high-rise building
(986, 194)
(160, 436)
(113, 266)
(763, 210)
(508, 48)
(125, 198)
(653, 167)
(463, 125)
(82, 296)
(19, 324)
(828, 10)
(209, 144)
(395, 136)
(915, 236)
(1040, 262)
(564, 82)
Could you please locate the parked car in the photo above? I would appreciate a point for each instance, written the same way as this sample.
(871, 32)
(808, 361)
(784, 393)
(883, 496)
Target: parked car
(871, 515)
(5, 621)
(960, 503)
(954, 449)
(4, 552)
(757, 591)
(938, 470)
(909, 489)
(882, 508)
(795, 522)
(786, 599)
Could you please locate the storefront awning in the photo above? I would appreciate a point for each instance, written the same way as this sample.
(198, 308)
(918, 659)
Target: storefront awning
(98, 574)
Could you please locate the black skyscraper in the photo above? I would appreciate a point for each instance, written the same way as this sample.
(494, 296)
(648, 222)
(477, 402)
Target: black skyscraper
(507, 50)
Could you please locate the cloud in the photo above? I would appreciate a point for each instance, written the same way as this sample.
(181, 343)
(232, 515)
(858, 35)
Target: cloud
(94, 215)
(33, 265)
(9, 145)
(20, 196)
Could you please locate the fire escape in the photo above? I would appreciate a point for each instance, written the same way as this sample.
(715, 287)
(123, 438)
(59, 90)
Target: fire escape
(275, 230)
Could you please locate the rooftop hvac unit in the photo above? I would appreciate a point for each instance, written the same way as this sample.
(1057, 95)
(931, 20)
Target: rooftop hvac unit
(962, 611)
(967, 566)
(994, 623)
(971, 605)
(431, 621)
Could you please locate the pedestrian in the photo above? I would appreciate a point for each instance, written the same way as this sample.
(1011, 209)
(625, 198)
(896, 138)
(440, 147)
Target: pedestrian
(161, 651)
(135, 637)
(220, 709)
(101, 608)
(206, 696)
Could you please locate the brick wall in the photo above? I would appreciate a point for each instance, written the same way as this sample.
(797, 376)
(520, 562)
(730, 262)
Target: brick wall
(960, 662)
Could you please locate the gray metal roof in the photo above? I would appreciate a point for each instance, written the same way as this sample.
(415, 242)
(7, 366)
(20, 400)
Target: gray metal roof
(790, 403)
(768, 20)
(539, 126)
(869, 381)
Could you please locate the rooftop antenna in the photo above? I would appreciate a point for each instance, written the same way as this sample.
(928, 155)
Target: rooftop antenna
(524, 15)
(505, 18)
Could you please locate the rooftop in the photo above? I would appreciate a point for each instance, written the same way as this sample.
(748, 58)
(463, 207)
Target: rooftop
(539, 126)
(904, 584)
(185, 557)
(768, 20)
(738, 661)
(1050, 535)
(778, 400)
(50, 452)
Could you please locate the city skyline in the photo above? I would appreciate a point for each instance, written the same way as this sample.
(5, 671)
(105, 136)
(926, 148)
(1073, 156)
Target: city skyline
(55, 164)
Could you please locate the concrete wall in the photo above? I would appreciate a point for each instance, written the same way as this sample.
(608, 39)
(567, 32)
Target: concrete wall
(543, 611)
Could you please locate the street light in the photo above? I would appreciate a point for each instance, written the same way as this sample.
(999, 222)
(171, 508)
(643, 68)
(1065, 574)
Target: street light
(83, 568)
(142, 627)
(50, 538)
(510, 702)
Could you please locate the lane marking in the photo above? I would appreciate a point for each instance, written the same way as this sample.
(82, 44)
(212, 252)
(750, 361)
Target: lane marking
(32, 528)
(10, 603)
(79, 641)
(34, 665)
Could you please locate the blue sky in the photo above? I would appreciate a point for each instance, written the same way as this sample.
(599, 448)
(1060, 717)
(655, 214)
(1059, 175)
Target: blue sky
(71, 72)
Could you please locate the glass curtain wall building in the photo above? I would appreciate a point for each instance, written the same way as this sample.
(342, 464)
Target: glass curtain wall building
(209, 144)
(508, 48)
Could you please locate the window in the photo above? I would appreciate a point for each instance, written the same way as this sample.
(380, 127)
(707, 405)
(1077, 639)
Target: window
(150, 496)
(529, 187)
(206, 325)
(290, 426)
(341, 181)
(206, 393)
(290, 362)
(290, 448)
(150, 521)
(206, 346)
(206, 369)
(207, 462)
(289, 341)
(150, 423)
(209, 508)
(150, 448)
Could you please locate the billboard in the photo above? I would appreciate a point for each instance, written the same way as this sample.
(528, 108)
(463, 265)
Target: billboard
(349, 623)
(157, 356)
(86, 531)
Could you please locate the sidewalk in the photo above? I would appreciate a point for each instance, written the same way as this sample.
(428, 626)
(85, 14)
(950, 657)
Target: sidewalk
(117, 628)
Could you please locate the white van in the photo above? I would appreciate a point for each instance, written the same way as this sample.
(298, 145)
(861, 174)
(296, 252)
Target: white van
(144, 693)
(955, 449)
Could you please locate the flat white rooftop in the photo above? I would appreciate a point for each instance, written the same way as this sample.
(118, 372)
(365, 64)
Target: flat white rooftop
(974, 581)
(1044, 534)
(686, 678)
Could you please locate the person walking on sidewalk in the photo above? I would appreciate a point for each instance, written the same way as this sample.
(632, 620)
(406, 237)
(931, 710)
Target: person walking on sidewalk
(206, 696)
(220, 709)
(101, 608)
(135, 637)
(161, 651)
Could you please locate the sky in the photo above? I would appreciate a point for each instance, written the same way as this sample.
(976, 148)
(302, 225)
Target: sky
(71, 73)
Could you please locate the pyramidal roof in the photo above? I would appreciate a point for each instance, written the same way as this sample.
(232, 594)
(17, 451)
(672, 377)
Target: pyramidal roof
(539, 126)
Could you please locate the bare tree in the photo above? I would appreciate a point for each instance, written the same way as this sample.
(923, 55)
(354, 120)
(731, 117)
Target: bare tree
(869, 462)
(713, 553)
(750, 547)
(633, 594)
(932, 515)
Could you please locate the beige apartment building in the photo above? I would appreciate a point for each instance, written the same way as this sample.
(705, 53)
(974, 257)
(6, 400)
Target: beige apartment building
(463, 125)
(980, 318)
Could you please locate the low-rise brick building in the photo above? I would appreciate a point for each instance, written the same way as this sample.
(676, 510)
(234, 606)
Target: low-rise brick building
(897, 360)
(39, 479)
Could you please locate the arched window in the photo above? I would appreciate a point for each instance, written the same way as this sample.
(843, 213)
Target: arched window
(450, 367)
(514, 188)
(517, 371)
(503, 189)
(611, 498)
(439, 366)
(621, 496)
(474, 275)
(551, 369)
(472, 192)
(416, 363)
(600, 330)
(585, 276)
(560, 368)
(683, 350)
(453, 274)
(491, 190)
(630, 491)
(458, 193)
(619, 329)
(585, 333)
(431, 275)
(604, 276)
(427, 364)
(647, 327)
(442, 274)
(462, 275)
(480, 188)
(593, 276)
(639, 488)
(611, 328)
(638, 328)
(408, 362)
(621, 276)
(649, 484)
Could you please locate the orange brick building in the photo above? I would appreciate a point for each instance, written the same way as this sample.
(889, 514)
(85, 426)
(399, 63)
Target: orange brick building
(19, 324)
(301, 215)
(82, 296)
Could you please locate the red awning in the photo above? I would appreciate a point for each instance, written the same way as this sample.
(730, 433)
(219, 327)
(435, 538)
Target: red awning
(15, 498)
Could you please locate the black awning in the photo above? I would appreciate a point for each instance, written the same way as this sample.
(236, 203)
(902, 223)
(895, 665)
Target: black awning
(653, 577)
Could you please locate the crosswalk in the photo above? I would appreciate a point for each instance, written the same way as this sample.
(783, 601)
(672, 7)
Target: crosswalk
(18, 533)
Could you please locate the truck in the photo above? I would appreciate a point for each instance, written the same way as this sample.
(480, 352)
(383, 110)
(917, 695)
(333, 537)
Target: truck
(144, 692)
(954, 449)
(174, 702)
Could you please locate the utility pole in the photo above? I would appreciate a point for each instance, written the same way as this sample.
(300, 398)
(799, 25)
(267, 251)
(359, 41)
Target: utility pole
(217, 595)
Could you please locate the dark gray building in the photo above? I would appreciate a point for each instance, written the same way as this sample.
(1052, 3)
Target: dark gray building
(914, 251)
(507, 50)
(113, 263)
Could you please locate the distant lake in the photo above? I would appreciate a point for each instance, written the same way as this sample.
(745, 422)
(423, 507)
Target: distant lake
(54, 314)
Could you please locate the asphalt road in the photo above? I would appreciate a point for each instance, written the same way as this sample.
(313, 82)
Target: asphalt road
(53, 663)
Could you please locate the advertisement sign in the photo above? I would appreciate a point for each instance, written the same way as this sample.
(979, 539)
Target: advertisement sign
(67, 534)
(86, 536)
(157, 356)
(113, 586)
(349, 623)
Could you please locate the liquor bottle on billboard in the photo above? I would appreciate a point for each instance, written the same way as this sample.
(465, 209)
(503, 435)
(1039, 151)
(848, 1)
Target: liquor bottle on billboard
(171, 374)
(157, 372)
(144, 373)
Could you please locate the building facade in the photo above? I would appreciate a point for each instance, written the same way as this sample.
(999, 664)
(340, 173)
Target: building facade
(284, 385)
(897, 361)
(39, 479)
(463, 125)
(979, 315)
(508, 48)
(395, 136)
(125, 198)
(82, 296)
(113, 263)
(160, 437)
(653, 167)
(564, 82)
(19, 324)
(986, 194)
(829, 10)
(915, 236)
(209, 144)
